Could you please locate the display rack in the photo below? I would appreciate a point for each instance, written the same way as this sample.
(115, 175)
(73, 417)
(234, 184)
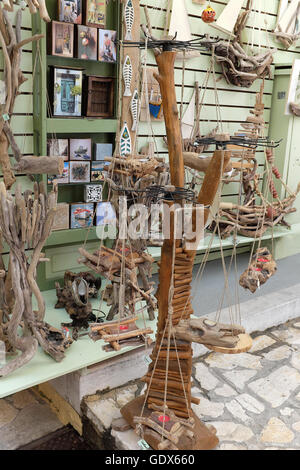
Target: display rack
(100, 130)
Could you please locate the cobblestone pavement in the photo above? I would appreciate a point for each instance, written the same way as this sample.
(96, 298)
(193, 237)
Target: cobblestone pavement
(253, 399)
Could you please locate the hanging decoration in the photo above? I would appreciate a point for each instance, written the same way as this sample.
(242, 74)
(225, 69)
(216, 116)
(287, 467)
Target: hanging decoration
(129, 19)
(134, 107)
(287, 30)
(208, 15)
(125, 141)
(239, 68)
(127, 75)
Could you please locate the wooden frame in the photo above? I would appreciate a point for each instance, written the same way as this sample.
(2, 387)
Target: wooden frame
(100, 97)
(62, 39)
(95, 13)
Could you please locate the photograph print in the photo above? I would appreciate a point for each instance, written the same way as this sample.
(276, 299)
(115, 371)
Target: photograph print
(70, 11)
(87, 42)
(95, 13)
(81, 149)
(58, 148)
(107, 46)
(62, 39)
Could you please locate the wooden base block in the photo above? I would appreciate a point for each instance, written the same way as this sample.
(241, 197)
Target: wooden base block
(244, 345)
(205, 438)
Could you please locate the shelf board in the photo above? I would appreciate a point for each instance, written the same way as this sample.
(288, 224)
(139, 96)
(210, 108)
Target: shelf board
(105, 67)
(81, 125)
(72, 235)
(81, 354)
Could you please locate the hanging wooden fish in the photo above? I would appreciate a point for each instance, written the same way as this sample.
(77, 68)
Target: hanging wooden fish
(127, 75)
(134, 106)
(125, 141)
(208, 15)
(129, 19)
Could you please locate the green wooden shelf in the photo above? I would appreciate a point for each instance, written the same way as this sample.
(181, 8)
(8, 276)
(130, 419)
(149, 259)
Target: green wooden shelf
(75, 235)
(81, 125)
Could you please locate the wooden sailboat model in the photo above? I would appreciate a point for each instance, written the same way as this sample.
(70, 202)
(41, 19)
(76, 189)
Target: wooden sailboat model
(287, 30)
(179, 27)
(164, 416)
(228, 18)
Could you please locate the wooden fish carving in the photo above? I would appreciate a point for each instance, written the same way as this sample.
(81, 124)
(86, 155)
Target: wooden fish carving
(129, 19)
(127, 75)
(134, 110)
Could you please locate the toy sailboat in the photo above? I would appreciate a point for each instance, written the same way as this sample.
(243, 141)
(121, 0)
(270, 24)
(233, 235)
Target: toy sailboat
(287, 30)
(179, 26)
(228, 18)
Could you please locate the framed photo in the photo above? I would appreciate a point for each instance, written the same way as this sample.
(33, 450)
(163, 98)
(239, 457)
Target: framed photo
(79, 172)
(62, 39)
(58, 148)
(67, 91)
(99, 171)
(105, 214)
(80, 149)
(60, 179)
(294, 89)
(95, 14)
(82, 215)
(107, 51)
(70, 11)
(87, 41)
(93, 192)
(103, 150)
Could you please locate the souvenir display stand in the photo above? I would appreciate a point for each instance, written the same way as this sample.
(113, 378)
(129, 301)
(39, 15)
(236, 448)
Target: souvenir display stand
(182, 102)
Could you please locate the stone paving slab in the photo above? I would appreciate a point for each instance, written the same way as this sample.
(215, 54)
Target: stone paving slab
(252, 399)
(24, 417)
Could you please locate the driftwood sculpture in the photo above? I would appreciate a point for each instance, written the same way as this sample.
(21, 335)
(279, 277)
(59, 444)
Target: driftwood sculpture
(74, 297)
(250, 218)
(239, 68)
(261, 269)
(169, 376)
(25, 223)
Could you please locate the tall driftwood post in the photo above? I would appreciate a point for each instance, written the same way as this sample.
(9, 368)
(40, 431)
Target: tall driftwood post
(169, 375)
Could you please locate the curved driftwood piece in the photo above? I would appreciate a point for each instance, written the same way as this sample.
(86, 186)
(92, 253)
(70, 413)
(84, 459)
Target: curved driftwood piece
(40, 165)
(194, 161)
(204, 331)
